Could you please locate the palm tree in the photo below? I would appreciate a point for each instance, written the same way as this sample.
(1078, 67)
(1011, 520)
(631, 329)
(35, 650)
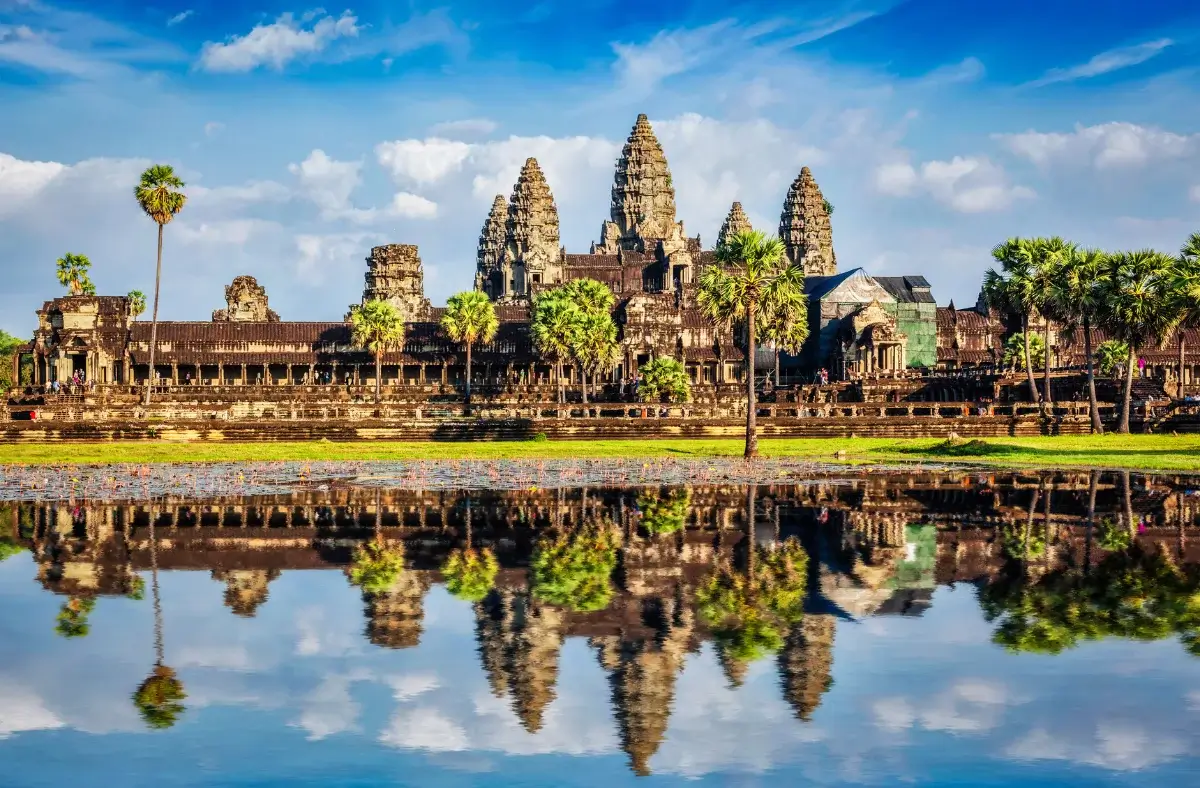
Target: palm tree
(379, 327)
(73, 274)
(786, 329)
(137, 303)
(1075, 296)
(664, 378)
(160, 697)
(1135, 294)
(1186, 294)
(555, 327)
(156, 194)
(1050, 255)
(596, 347)
(1111, 356)
(753, 277)
(470, 318)
(1013, 291)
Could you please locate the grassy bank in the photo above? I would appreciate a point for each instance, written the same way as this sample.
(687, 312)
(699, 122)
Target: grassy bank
(1145, 452)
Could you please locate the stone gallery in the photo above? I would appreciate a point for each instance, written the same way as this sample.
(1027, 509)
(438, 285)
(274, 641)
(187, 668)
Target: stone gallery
(861, 326)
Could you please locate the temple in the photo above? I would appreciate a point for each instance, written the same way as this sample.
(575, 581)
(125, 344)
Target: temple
(864, 330)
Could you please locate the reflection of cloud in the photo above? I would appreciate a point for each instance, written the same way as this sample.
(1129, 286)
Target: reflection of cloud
(329, 709)
(320, 636)
(21, 709)
(1120, 746)
(572, 726)
(410, 685)
(425, 729)
(228, 657)
(969, 706)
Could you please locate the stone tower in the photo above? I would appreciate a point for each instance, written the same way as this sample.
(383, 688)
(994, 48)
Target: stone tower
(643, 199)
(531, 248)
(806, 663)
(245, 589)
(735, 222)
(490, 276)
(245, 302)
(804, 227)
(395, 274)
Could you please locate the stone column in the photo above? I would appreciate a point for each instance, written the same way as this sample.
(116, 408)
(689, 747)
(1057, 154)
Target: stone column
(242, 380)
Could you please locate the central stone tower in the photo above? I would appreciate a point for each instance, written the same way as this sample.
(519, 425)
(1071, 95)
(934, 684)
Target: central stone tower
(395, 274)
(805, 229)
(643, 199)
(531, 241)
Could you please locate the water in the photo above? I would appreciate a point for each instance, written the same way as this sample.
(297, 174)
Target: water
(947, 629)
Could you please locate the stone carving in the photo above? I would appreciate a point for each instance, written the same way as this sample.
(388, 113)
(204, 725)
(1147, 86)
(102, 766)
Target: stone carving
(489, 273)
(735, 222)
(245, 589)
(643, 199)
(805, 664)
(532, 249)
(395, 274)
(519, 643)
(805, 229)
(246, 302)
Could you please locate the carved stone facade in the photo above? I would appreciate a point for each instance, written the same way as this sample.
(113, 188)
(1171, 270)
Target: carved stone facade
(805, 229)
(735, 222)
(643, 199)
(531, 246)
(245, 302)
(491, 274)
(395, 274)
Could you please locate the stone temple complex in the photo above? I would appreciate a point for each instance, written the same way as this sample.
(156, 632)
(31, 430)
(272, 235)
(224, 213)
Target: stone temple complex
(863, 329)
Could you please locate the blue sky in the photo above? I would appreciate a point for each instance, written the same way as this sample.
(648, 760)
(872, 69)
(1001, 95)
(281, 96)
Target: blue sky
(936, 127)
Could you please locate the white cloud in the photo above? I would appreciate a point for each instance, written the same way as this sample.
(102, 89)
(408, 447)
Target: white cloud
(480, 126)
(1194, 193)
(965, 184)
(21, 180)
(1108, 145)
(234, 232)
(406, 205)
(212, 128)
(180, 17)
(642, 66)
(321, 255)
(329, 709)
(422, 161)
(1106, 62)
(277, 44)
(227, 197)
(328, 182)
(566, 162)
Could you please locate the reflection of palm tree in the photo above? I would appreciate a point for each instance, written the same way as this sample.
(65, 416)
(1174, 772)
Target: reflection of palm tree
(72, 621)
(160, 697)
(470, 573)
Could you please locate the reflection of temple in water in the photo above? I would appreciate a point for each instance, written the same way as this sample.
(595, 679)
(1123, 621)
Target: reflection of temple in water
(877, 546)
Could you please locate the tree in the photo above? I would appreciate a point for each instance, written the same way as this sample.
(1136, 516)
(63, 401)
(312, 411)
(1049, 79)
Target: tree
(376, 566)
(1185, 287)
(786, 329)
(664, 379)
(1012, 290)
(73, 274)
(573, 568)
(752, 277)
(1050, 255)
(555, 326)
(8, 347)
(1014, 351)
(72, 621)
(664, 511)
(378, 327)
(470, 318)
(137, 303)
(470, 573)
(596, 346)
(1135, 293)
(1075, 295)
(1111, 356)
(156, 193)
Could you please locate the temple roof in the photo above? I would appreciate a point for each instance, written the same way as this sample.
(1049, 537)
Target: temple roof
(907, 289)
(854, 287)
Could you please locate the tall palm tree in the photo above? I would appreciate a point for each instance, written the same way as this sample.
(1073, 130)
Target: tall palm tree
(160, 697)
(156, 194)
(470, 318)
(1049, 257)
(555, 327)
(1075, 297)
(786, 329)
(1135, 294)
(379, 327)
(73, 274)
(1186, 292)
(753, 277)
(596, 347)
(1013, 290)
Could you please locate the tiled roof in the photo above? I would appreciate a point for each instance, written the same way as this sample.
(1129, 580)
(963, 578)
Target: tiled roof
(906, 289)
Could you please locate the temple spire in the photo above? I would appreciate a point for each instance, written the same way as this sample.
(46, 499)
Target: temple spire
(491, 249)
(643, 196)
(805, 229)
(736, 222)
(531, 230)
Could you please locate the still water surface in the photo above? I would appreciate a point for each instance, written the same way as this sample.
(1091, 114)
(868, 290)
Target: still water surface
(932, 629)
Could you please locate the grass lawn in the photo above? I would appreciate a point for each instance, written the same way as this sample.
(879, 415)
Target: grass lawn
(1145, 452)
